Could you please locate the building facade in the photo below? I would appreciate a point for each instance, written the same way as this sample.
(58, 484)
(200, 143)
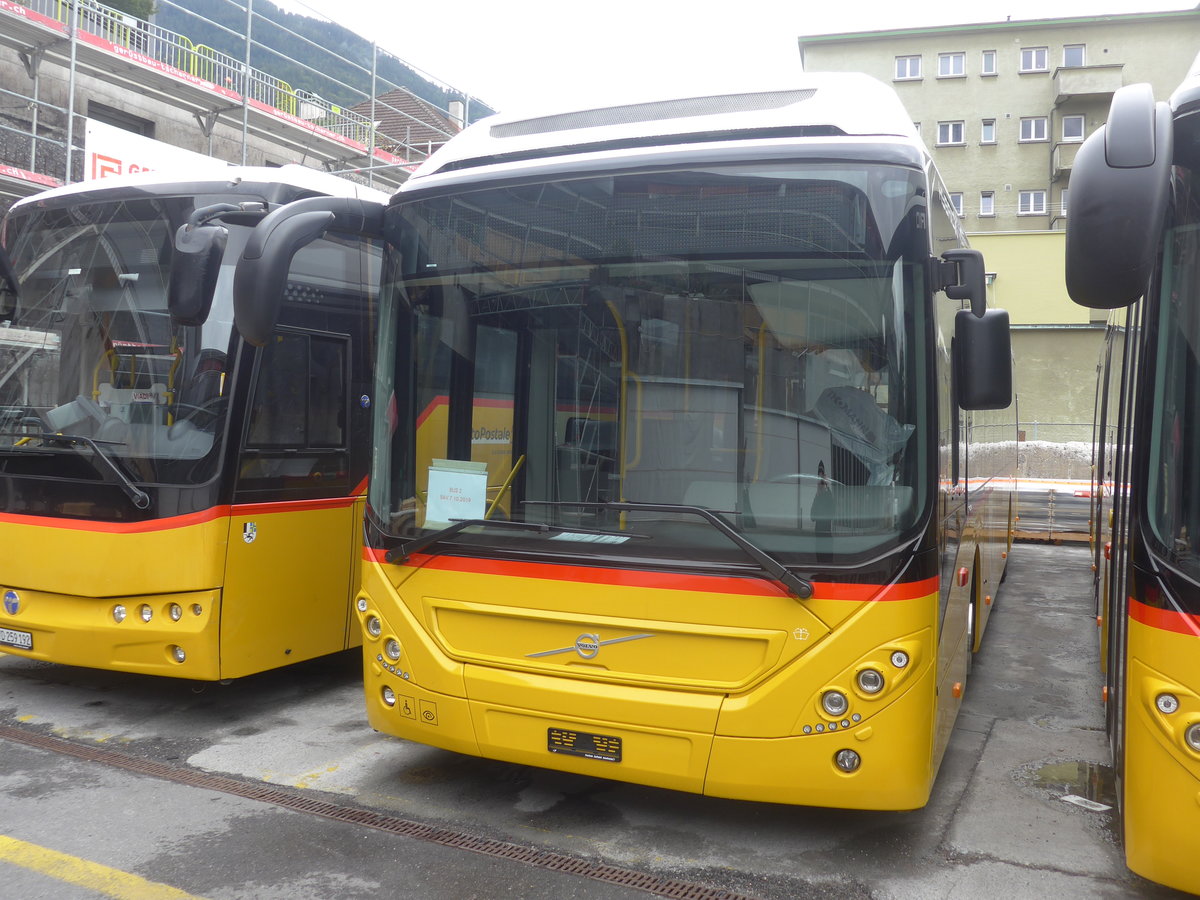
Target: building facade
(64, 65)
(1003, 107)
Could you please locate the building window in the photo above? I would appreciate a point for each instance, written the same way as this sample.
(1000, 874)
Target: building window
(908, 67)
(956, 200)
(987, 132)
(1073, 56)
(1033, 128)
(950, 133)
(118, 118)
(987, 63)
(1031, 203)
(952, 65)
(987, 203)
(1072, 128)
(1035, 59)
(1063, 198)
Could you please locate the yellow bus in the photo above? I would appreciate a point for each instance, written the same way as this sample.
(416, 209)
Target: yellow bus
(1133, 246)
(173, 500)
(717, 495)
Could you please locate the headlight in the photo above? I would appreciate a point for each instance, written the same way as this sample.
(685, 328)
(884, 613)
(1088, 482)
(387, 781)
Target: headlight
(847, 760)
(361, 603)
(374, 626)
(197, 609)
(145, 612)
(392, 649)
(119, 613)
(1192, 736)
(177, 653)
(835, 703)
(175, 611)
(870, 681)
(899, 659)
(1166, 703)
(389, 696)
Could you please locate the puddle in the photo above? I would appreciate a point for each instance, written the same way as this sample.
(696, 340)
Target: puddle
(1091, 781)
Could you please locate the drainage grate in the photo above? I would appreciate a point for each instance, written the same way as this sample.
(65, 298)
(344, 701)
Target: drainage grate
(546, 859)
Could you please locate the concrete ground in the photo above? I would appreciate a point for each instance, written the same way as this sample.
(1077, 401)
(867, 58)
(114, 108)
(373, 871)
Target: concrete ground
(1030, 735)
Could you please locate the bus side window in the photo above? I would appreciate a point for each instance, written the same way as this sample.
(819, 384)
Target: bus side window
(296, 433)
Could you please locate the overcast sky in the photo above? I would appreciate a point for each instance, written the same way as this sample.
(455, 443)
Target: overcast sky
(525, 54)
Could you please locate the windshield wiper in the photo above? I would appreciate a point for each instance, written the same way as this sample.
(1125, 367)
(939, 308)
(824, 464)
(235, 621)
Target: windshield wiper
(416, 545)
(797, 586)
(139, 497)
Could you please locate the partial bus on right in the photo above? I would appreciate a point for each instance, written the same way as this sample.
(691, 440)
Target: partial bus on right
(1133, 247)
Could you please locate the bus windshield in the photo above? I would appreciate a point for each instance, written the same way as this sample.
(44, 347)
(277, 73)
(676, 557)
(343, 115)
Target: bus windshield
(1173, 491)
(91, 363)
(748, 340)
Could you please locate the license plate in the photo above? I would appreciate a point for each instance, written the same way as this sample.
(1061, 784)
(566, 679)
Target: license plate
(20, 640)
(582, 743)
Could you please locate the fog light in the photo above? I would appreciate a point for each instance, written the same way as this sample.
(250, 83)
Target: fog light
(361, 604)
(118, 613)
(177, 653)
(899, 659)
(835, 703)
(197, 609)
(145, 612)
(847, 760)
(392, 649)
(374, 626)
(1167, 703)
(1192, 736)
(389, 696)
(870, 681)
(175, 611)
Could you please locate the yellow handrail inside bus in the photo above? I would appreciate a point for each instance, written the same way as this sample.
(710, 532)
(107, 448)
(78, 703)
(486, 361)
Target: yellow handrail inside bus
(505, 486)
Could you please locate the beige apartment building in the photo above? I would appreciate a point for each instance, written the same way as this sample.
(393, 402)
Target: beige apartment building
(1003, 107)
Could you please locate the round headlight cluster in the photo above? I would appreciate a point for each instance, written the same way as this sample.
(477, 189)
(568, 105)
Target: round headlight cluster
(835, 703)
(847, 760)
(1192, 736)
(1167, 703)
(870, 681)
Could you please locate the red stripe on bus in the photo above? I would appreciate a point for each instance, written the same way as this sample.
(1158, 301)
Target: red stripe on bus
(285, 506)
(1164, 619)
(726, 584)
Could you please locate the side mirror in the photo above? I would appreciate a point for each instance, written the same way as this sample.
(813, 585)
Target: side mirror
(1120, 187)
(194, 270)
(971, 283)
(261, 276)
(983, 347)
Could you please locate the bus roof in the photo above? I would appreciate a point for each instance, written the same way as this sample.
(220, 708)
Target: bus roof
(832, 104)
(293, 179)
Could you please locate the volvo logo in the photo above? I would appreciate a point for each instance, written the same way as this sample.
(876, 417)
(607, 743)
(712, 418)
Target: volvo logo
(12, 603)
(588, 645)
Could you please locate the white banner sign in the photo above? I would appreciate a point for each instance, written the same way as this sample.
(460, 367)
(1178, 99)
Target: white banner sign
(114, 151)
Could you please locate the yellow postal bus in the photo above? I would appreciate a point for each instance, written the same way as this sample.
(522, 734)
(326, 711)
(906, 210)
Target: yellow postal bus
(174, 500)
(726, 364)
(1133, 246)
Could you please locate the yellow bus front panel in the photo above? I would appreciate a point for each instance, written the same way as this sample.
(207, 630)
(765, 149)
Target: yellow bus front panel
(1162, 768)
(668, 687)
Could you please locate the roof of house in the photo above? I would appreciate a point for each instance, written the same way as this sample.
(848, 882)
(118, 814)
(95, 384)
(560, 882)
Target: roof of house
(405, 120)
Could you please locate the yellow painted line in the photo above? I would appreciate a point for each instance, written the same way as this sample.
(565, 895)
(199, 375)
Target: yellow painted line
(73, 870)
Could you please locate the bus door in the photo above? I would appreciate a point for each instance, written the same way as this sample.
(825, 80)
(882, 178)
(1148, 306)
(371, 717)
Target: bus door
(293, 534)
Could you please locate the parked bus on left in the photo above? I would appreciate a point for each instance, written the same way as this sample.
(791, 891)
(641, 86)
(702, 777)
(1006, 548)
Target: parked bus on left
(173, 500)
